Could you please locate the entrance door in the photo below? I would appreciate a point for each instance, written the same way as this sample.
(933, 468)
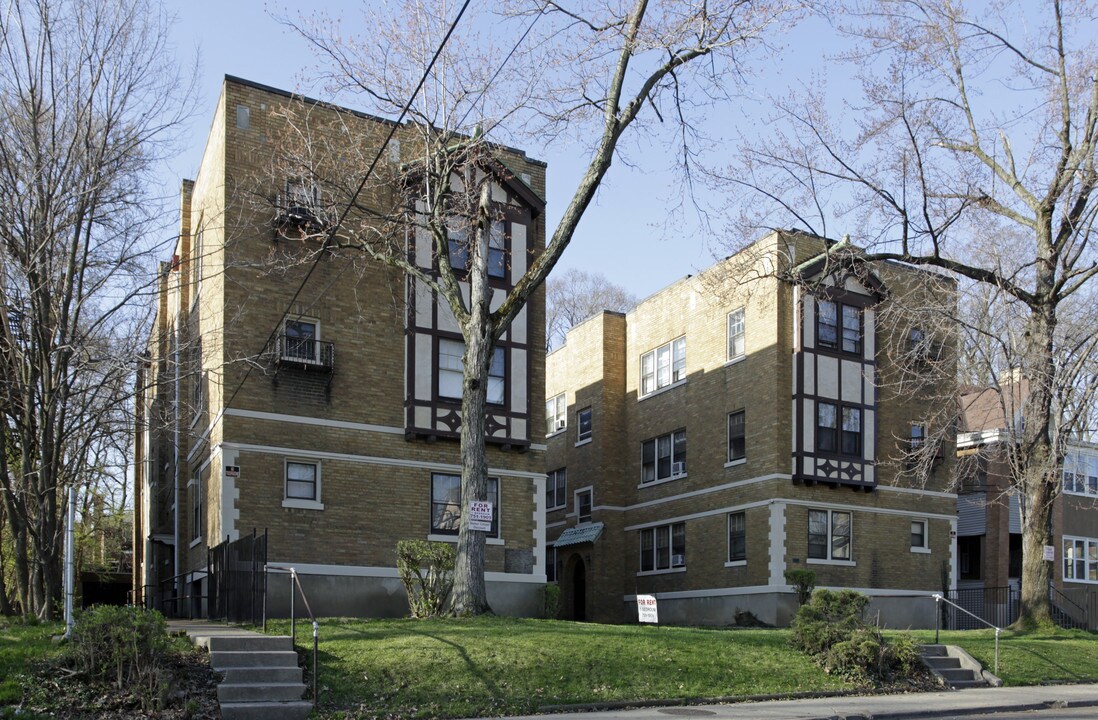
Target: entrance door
(579, 591)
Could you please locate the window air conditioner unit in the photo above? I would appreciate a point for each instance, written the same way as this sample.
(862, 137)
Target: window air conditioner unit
(678, 468)
(678, 560)
(561, 423)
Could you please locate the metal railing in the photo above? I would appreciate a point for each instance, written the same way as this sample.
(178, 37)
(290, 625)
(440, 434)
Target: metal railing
(939, 599)
(1061, 609)
(296, 582)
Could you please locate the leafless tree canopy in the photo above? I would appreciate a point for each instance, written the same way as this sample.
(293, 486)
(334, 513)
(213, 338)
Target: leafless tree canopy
(971, 149)
(87, 101)
(542, 70)
(575, 295)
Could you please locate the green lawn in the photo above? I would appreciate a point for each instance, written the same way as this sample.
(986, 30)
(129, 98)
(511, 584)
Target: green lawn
(1029, 658)
(503, 666)
(21, 645)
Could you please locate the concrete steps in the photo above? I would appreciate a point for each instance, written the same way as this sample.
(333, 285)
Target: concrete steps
(955, 668)
(262, 680)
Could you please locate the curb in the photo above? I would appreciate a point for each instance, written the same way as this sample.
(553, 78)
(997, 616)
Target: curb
(720, 700)
(960, 712)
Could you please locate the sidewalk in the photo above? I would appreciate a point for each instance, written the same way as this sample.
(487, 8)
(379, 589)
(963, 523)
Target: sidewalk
(948, 704)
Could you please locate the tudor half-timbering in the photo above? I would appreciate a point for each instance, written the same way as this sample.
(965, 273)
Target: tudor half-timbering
(435, 346)
(736, 425)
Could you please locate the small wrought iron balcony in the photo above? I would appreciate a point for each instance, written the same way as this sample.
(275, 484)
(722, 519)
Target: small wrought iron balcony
(305, 353)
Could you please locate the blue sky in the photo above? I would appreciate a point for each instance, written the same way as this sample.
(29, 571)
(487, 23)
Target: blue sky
(621, 236)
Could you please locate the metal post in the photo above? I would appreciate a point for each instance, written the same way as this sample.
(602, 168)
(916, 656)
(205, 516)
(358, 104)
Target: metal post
(293, 618)
(937, 616)
(996, 651)
(316, 640)
(264, 597)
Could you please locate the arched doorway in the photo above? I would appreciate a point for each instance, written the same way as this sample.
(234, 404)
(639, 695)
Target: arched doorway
(579, 590)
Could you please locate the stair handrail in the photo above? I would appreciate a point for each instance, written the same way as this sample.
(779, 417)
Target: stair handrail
(295, 581)
(1055, 593)
(939, 599)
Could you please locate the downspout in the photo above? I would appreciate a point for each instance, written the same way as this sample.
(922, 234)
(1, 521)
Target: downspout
(176, 420)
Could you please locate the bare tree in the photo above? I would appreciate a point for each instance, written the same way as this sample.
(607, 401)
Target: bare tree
(88, 99)
(592, 73)
(973, 151)
(575, 295)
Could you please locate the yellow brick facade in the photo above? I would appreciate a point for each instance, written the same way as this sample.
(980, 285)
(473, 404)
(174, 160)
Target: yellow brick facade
(224, 295)
(601, 366)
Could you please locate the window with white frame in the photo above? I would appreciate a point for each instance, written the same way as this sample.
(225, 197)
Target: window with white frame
(583, 506)
(451, 371)
(737, 436)
(446, 506)
(1081, 559)
(556, 486)
(663, 547)
(583, 421)
(302, 480)
(829, 535)
(302, 335)
(736, 334)
(664, 457)
(919, 538)
(458, 231)
(556, 414)
(838, 326)
(663, 366)
(1080, 473)
(737, 536)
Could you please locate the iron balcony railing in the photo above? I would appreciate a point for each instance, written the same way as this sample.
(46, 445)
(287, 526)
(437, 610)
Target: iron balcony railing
(305, 352)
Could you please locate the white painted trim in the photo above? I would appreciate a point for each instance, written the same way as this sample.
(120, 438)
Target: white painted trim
(916, 491)
(663, 389)
(777, 538)
(706, 491)
(562, 523)
(388, 572)
(779, 589)
(668, 571)
(736, 563)
(585, 441)
(922, 550)
(230, 493)
(697, 515)
(301, 504)
(433, 537)
(823, 561)
(201, 439)
(736, 360)
(734, 463)
(372, 460)
(305, 420)
(196, 542)
(539, 446)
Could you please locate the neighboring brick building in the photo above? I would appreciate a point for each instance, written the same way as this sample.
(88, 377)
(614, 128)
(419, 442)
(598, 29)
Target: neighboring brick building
(339, 436)
(989, 525)
(778, 391)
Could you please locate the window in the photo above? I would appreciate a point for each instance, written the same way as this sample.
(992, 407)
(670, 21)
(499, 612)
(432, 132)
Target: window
(196, 378)
(735, 334)
(829, 314)
(446, 504)
(663, 547)
(457, 237)
(828, 535)
(852, 329)
(664, 457)
(1081, 474)
(583, 506)
(737, 536)
(556, 483)
(1081, 559)
(737, 445)
(196, 505)
(663, 366)
(918, 535)
(301, 340)
(918, 436)
(196, 264)
(300, 198)
(451, 371)
(920, 348)
(551, 564)
(556, 414)
(828, 437)
(583, 419)
(301, 480)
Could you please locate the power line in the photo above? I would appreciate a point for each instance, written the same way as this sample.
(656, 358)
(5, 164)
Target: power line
(347, 209)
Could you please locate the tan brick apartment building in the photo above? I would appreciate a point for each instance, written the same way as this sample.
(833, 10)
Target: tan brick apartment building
(338, 437)
(989, 525)
(734, 426)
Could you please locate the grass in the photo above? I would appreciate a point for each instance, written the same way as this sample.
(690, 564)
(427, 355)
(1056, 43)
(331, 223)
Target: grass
(20, 646)
(1032, 657)
(503, 666)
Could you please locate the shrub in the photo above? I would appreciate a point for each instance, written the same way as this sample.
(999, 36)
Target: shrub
(803, 582)
(830, 627)
(551, 605)
(427, 571)
(126, 647)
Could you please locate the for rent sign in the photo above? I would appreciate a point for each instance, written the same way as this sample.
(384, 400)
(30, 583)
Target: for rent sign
(646, 609)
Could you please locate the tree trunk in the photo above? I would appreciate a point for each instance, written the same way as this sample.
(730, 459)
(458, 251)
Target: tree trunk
(1036, 571)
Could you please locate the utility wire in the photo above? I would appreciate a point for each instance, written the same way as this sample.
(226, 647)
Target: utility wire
(350, 204)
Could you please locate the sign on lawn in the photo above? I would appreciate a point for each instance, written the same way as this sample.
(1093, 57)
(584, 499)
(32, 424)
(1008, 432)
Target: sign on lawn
(480, 515)
(646, 609)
